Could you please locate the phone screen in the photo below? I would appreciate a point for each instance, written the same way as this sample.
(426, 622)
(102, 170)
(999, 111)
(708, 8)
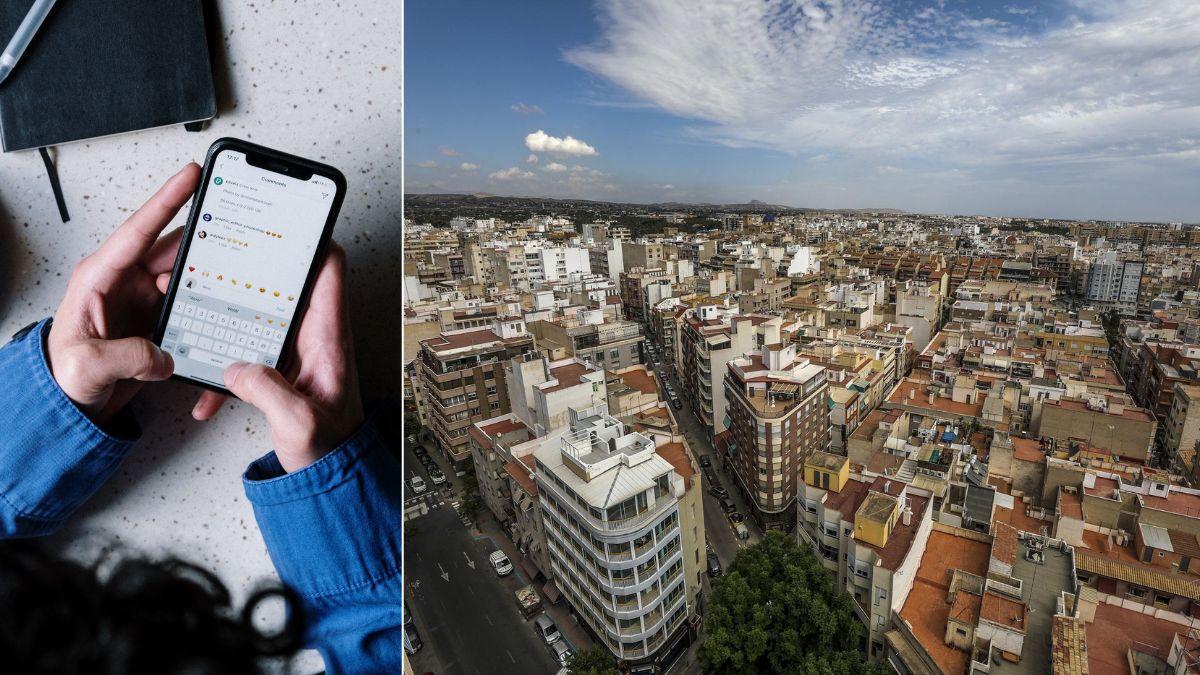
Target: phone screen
(241, 283)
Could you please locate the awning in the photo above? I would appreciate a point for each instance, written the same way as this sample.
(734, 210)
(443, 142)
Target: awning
(529, 568)
(551, 592)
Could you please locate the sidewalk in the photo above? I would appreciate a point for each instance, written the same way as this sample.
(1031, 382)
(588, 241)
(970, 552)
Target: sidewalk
(560, 612)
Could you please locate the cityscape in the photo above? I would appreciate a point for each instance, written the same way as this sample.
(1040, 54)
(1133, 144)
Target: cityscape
(802, 337)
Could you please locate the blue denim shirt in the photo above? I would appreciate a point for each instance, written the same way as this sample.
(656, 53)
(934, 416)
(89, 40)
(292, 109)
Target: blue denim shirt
(332, 529)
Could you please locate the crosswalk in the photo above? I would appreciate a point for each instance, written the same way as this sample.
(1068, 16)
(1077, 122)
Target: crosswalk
(420, 505)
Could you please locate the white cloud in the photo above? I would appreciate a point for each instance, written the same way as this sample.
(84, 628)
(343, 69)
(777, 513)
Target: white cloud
(554, 167)
(667, 186)
(449, 152)
(531, 159)
(511, 173)
(819, 158)
(888, 168)
(428, 164)
(526, 109)
(540, 141)
(1117, 82)
(468, 166)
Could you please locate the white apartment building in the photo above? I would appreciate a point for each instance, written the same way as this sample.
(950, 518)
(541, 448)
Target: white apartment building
(623, 522)
(1114, 281)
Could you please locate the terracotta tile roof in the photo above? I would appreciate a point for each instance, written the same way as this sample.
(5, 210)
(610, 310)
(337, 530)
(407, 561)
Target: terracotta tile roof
(1136, 573)
(1070, 504)
(447, 342)
(1004, 543)
(926, 608)
(900, 540)
(1115, 630)
(848, 500)
(1003, 611)
(568, 375)
(640, 380)
(965, 608)
(520, 473)
(1068, 646)
(1184, 543)
(1180, 503)
(677, 455)
(1028, 450)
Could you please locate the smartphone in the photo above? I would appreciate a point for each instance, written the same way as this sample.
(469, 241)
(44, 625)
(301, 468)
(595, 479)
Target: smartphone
(260, 224)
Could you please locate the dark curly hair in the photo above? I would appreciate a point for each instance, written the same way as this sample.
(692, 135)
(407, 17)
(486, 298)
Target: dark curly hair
(129, 615)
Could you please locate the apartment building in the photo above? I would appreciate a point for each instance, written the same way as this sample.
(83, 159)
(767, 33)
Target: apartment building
(1182, 428)
(588, 335)
(1108, 422)
(624, 528)
(642, 289)
(709, 337)
(919, 306)
(462, 379)
(871, 533)
(778, 415)
(1115, 282)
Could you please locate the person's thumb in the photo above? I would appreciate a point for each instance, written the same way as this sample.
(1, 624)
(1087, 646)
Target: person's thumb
(131, 358)
(264, 388)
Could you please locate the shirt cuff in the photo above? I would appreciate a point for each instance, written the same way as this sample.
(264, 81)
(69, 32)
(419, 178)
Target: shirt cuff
(334, 526)
(53, 457)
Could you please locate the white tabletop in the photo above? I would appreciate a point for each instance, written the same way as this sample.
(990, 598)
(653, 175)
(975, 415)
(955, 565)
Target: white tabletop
(316, 79)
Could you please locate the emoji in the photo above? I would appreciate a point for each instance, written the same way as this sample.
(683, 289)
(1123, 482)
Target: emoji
(220, 277)
(282, 324)
(291, 298)
(277, 294)
(247, 285)
(262, 290)
(191, 268)
(271, 321)
(257, 317)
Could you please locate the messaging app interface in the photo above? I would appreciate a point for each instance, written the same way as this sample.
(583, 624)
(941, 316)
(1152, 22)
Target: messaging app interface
(249, 257)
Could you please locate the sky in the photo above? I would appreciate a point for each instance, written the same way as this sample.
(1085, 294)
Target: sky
(1053, 109)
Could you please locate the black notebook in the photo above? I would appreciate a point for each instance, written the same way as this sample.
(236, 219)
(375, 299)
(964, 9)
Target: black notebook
(101, 67)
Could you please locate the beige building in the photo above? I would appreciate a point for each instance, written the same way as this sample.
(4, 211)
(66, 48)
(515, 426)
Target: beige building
(1107, 422)
(1183, 428)
(462, 379)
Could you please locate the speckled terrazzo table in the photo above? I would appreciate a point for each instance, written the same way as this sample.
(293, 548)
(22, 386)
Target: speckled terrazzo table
(317, 79)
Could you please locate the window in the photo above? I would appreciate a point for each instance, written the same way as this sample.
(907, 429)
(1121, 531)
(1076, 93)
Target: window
(880, 595)
(495, 405)
(615, 354)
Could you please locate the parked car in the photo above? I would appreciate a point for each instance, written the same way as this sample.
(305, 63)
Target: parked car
(727, 505)
(705, 461)
(412, 639)
(546, 629)
(412, 440)
(437, 477)
(718, 491)
(418, 485)
(561, 652)
(500, 563)
(736, 517)
(676, 404)
(714, 566)
(741, 532)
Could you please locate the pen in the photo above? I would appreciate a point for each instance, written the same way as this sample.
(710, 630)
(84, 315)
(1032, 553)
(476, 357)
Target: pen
(24, 35)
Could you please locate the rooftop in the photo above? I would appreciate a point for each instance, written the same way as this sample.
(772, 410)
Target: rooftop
(1116, 630)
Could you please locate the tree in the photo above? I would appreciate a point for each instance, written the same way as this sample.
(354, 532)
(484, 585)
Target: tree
(777, 610)
(594, 661)
(471, 501)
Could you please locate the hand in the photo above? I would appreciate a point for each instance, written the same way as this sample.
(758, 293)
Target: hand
(98, 348)
(316, 405)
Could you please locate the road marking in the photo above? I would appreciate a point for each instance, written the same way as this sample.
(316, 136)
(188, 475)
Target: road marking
(445, 575)
(470, 563)
(489, 619)
(510, 656)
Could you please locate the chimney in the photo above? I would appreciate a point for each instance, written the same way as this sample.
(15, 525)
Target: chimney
(932, 396)
(912, 394)
(906, 517)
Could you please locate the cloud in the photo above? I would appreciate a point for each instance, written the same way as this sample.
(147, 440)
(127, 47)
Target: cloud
(428, 164)
(467, 166)
(554, 167)
(665, 186)
(449, 152)
(540, 141)
(511, 173)
(819, 158)
(883, 84)
(531, 159)
(888, 168)
(526, 109)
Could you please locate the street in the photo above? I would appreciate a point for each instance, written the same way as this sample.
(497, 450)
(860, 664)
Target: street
(717, 527)
(466, 615)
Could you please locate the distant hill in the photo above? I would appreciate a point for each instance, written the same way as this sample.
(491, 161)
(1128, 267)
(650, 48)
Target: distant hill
(439, 201)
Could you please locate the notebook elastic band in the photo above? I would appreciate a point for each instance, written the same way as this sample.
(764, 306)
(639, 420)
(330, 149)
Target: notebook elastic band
(55, 186)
